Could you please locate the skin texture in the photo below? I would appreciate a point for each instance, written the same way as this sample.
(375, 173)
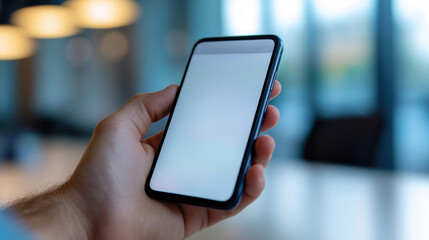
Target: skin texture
(105, 197)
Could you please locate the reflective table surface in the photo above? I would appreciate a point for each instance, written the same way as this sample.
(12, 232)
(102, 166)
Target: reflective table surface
(305, 201)
(301, 201)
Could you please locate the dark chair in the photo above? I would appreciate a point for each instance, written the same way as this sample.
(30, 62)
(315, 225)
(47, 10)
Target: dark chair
(348, 141)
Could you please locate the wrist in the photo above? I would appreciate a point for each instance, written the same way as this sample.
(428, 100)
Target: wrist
(74, 212)
(98, 217)
(55, 214)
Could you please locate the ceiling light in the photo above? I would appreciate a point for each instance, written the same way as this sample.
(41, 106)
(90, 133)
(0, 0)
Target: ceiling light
(14, 44)
(46, 21)
(104, 13)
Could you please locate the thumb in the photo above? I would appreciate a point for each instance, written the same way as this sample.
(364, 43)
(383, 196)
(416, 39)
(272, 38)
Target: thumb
(145, 108)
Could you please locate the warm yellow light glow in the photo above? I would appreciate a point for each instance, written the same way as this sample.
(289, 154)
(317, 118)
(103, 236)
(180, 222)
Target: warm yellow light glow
(46, 21)
(104, 13)
(14, 44)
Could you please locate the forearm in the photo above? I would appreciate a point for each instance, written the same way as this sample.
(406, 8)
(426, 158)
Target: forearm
(54, 214)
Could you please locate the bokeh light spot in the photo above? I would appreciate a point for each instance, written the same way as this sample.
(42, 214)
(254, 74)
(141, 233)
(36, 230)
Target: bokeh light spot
(114, 46)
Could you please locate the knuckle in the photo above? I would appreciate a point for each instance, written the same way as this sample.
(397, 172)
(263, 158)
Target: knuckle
(138, 97)
(109, 124)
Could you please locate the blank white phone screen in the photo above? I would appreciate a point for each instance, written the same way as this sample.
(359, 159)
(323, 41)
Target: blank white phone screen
(206, 140)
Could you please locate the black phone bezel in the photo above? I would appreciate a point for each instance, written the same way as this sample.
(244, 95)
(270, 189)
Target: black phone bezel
(254, 133)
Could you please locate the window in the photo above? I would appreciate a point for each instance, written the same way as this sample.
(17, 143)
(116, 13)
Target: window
(412, 114)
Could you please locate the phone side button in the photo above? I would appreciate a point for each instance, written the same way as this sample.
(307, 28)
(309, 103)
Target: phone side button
(272, 86)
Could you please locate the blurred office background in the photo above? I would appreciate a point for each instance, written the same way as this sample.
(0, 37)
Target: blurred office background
(355, 76)
(362, 63)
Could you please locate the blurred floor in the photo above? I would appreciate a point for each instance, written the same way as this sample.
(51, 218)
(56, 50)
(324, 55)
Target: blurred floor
(301, 200)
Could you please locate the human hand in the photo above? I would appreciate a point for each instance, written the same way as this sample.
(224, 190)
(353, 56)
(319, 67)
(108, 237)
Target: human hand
(105, 197)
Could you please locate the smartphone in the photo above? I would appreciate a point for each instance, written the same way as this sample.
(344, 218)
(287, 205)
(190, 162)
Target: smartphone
(208, 141)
